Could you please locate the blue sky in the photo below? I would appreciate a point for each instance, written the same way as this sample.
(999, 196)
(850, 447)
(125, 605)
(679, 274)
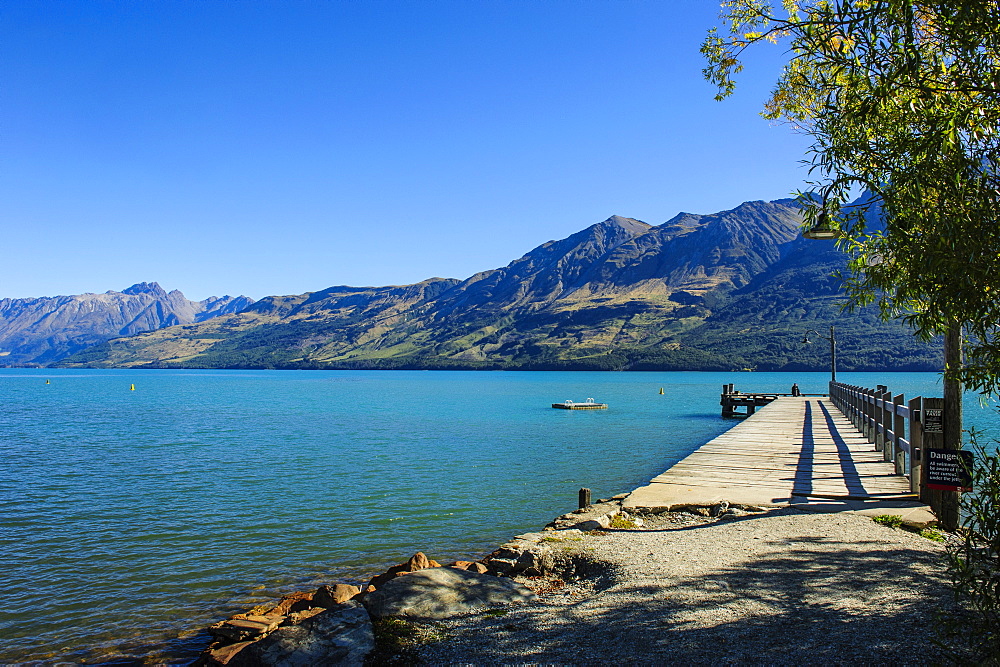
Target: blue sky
(263, 147)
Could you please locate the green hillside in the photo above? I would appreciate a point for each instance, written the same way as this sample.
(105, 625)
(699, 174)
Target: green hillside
(736, 289)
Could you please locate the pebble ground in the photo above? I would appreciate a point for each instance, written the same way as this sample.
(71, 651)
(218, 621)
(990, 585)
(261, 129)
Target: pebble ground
(780, 587)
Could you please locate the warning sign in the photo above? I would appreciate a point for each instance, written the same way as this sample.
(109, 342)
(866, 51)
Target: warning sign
(933, 420)
(948, 469)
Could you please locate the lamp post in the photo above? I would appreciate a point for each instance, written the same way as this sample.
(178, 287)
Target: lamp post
(833, 349)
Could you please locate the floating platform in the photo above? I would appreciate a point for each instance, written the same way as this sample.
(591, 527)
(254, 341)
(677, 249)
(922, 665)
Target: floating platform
(589, 404)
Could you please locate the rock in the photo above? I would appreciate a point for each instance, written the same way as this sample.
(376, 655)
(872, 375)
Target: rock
(442, 592)
(587, 525)
(288, 604)
(718, 508)
(341, 636)
(530, 554)
(297, 617)
(511, 560)
(331, 597)
(695, 510)
(223, 655)
(242, 629)
(471, 566)
(592, 517)
(416, 563)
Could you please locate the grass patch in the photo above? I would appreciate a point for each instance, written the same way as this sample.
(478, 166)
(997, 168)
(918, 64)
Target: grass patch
(396, 638)
(889, 520)
(623, 522)
(496, 612)
(931, 534)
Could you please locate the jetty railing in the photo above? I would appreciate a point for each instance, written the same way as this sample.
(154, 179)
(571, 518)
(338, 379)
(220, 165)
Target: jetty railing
(909, 433)
(893, 424)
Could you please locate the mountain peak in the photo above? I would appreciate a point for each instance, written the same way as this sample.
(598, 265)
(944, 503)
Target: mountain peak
(153, 289)
(629, 224)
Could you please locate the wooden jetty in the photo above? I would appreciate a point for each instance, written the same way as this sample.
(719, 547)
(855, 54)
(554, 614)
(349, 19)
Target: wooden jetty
(589, 404)
(732, 401)
(803, 451)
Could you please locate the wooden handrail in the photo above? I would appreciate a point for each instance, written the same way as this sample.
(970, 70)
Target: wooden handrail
(890, 422)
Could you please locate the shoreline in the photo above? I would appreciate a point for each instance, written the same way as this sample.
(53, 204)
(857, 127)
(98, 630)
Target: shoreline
(556, 561)
(571, 556)
(594, 517)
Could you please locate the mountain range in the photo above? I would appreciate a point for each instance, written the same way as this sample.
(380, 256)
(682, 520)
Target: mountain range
(734, 289)
(46, 329)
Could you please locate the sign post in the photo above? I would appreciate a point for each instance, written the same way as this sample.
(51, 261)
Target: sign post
(948, 469)
(942, 466)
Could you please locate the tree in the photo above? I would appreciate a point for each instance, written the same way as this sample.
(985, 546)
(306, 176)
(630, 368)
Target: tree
(902, 100)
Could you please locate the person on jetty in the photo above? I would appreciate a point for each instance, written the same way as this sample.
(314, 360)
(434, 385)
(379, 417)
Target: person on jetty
(795, 389)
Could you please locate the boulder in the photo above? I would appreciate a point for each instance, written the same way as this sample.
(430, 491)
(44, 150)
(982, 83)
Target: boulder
(417, 562)
(442, 592)
(328, 596)
(531, 554)
(341, 636)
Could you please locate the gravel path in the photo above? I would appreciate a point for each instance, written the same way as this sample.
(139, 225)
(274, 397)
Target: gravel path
(780, 587)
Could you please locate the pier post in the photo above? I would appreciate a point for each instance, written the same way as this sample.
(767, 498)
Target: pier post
(930, 440)
(859, 407)
(916, 433)
(870, 415)
(880, 422)
(898, 427)
(944, 503)
(887, 444)
(584, 497)
(855, 408)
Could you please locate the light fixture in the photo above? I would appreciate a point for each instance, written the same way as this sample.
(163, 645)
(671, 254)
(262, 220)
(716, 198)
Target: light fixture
(822, 230)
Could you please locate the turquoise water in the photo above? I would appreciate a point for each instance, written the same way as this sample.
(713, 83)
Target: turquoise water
(128, 519)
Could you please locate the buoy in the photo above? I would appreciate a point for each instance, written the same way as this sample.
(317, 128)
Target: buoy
(131, 387)
(661, 391)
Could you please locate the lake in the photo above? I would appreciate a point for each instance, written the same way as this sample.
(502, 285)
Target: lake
(130, 518)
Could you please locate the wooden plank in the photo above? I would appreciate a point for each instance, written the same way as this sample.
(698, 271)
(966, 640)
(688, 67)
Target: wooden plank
(792, 448)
